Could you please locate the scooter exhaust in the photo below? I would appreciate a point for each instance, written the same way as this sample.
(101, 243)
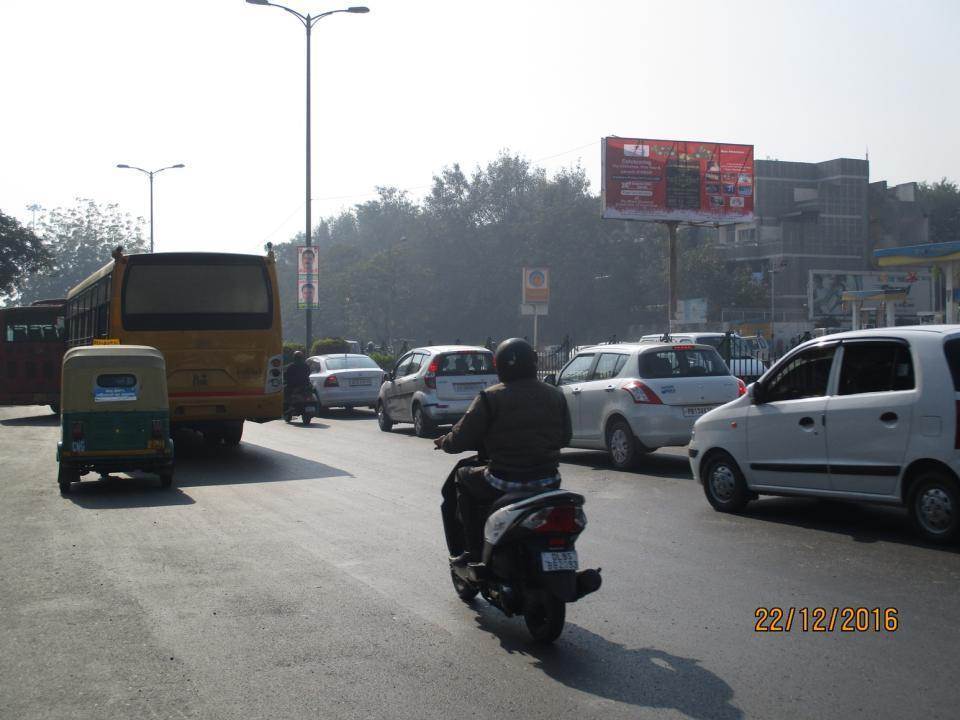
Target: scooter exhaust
(588, 581)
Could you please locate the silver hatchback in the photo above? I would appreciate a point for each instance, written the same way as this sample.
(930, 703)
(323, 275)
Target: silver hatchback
(434, 386)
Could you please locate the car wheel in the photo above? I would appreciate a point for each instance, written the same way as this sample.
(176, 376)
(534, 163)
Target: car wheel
(935, 506)
(383, 419)
(724, 484)
(622, 445)
(421, 423)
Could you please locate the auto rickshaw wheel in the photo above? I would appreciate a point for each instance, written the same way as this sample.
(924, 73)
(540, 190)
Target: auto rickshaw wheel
(166, 479)
(66, 476)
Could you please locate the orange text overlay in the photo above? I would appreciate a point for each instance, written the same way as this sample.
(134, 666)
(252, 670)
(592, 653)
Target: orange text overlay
(826, 620)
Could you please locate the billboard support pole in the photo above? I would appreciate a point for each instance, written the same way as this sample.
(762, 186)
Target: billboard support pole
(536, 329)
(672, 275)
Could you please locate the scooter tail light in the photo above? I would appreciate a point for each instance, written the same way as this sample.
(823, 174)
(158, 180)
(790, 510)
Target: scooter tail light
(563, 519)
(331, 381)
(76, 430)
(641, 393)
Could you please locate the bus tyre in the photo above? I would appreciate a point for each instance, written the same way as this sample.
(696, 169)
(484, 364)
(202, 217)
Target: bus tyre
(383, 419)
(65, 476)
(166, 479)
(233, 433)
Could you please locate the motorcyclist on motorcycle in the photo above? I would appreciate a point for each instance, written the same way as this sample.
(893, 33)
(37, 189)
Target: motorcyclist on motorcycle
(520, 425)
(296, 379)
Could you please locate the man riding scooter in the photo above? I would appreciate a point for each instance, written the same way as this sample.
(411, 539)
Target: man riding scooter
(298, 394)
(520, 425)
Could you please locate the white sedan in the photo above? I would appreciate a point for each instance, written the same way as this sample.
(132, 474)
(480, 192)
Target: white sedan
(345, 380)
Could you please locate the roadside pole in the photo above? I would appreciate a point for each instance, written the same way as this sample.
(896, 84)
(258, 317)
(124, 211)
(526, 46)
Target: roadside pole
(672, 276)
(536, 330)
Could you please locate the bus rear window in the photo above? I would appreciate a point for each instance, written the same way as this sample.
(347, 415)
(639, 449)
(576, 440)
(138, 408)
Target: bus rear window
(197, 296)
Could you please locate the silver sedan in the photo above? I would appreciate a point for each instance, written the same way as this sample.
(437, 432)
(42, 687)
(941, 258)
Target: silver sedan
(345, 380)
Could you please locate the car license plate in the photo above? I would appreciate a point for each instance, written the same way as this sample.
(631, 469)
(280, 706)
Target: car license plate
(358, 382)
(469, 387)
(555, 561)
(697, 410)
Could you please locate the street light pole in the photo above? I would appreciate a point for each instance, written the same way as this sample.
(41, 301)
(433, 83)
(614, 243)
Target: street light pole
(150, 174)
(308, 22)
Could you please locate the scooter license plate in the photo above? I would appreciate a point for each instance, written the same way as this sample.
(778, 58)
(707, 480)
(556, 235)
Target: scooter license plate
(556, 561)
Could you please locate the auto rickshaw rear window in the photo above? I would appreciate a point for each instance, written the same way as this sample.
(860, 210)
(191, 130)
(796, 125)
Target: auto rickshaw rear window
(117, 380)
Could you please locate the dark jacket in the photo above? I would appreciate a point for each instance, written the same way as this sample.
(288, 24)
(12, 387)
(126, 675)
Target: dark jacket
(520, 426)
(296, 375)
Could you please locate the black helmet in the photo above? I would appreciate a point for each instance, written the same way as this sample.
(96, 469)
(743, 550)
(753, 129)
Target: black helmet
(516, 360)
(298, 356)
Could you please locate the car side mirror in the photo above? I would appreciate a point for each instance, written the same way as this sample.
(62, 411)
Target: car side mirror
(755, 390)
(388, 377)
(550, 379)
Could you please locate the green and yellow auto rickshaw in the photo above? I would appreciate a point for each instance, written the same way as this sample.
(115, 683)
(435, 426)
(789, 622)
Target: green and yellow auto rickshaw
(114, 413)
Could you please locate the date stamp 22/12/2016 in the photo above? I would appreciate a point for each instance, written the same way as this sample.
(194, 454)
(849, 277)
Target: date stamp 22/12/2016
(822, 619)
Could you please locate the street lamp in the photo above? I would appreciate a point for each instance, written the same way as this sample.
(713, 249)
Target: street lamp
(308, 22)
(150, 174)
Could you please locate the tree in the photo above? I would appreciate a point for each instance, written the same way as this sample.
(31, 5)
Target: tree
(21, 254)
(942, 200)
(79, 241)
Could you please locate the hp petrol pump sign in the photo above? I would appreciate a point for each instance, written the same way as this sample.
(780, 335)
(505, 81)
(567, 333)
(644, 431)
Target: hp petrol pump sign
(536, 286)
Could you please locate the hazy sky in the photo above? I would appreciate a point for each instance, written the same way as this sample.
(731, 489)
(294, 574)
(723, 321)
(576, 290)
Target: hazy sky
(417, 85)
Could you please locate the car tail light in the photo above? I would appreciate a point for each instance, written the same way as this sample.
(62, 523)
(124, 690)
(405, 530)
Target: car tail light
(76, 431)
(331, 381)
(430, 379)
(157, 431)
(741, 388)
(563, 519)
(642, 394)
(683, 347)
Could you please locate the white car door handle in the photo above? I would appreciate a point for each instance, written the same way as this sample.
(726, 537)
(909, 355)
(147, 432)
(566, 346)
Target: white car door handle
(609, 388)
(576, 391)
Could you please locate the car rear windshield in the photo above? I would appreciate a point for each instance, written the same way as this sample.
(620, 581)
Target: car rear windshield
(677, 363)
(465, 363)
(350, 363)
(194, 291)
(951, 348)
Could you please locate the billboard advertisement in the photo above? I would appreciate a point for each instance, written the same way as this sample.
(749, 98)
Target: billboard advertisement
(675, 180)
(308, 277)
(825, 290)
(536, 285)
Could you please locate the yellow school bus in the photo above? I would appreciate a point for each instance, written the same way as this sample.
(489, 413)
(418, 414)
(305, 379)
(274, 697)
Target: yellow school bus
(214, 316)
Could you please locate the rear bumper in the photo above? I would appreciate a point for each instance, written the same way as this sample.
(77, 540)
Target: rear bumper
(446, 411)
(189, 407)
(150, 461)
(662, 425)
(338, 397)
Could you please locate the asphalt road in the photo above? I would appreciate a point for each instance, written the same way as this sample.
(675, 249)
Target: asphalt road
(303, 575)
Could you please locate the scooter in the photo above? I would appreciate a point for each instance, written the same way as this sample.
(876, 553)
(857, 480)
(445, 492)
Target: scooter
(302, 402)
(530, 564)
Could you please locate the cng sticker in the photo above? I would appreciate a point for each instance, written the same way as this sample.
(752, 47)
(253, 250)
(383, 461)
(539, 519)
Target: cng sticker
(106, 341)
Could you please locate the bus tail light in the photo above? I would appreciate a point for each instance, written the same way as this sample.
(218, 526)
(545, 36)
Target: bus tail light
(331, 381)
(76, 430)
(641, 394)
(274, 376)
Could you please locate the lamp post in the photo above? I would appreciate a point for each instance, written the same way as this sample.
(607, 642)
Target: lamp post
(308, 22)
(150, 174)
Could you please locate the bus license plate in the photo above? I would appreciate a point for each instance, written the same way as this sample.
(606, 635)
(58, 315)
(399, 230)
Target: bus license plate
(697, 411)
(555, 561)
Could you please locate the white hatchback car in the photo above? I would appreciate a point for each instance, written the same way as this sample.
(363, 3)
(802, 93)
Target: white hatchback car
(633, 399)
(345, 380)
(868, 415)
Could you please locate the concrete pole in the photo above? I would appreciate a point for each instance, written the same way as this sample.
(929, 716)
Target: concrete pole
(950, 306)
(855, 318)
(891, 313)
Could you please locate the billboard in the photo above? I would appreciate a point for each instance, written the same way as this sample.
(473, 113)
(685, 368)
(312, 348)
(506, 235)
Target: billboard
(675, 180)
(308, 277)
(825, 290)
(536, 285)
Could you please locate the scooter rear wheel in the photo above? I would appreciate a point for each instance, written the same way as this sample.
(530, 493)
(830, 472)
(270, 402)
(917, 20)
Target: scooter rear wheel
(544, 615)
(465, 591)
